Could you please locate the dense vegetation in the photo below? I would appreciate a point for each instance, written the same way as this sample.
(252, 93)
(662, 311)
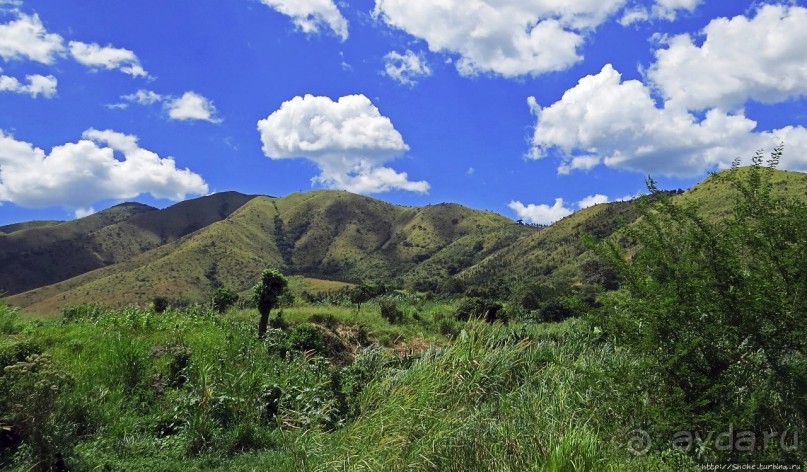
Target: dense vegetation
(680, 340)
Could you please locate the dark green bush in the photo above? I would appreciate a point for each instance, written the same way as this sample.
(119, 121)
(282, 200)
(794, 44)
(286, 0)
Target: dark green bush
(223, 298)
(480, 308)
(160, 304)
(307, 337)
(28, 406)
(390, 311)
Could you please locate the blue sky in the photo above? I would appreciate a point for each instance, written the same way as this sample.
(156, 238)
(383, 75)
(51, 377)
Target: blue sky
(530, 108)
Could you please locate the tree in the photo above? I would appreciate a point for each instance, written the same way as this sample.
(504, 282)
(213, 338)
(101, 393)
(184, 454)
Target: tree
(718, 307)
(267, 293)
(223, 298)
(361, 294)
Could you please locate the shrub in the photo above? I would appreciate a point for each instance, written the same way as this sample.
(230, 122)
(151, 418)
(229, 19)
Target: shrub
(390, 311)
(485, 309)
(223, 298)
(160, 304)
(267, 294)
(29, 405)
(718, 307)
(8, 319)
(307, 337)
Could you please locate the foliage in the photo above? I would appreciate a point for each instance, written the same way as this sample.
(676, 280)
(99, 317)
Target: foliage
(266, 294)
(390, 311)
(719, 307)
(480, 308)
(8, 318)
(364, 293)
(28, 405)
(160, 304)
(223, 298)
(86, 311)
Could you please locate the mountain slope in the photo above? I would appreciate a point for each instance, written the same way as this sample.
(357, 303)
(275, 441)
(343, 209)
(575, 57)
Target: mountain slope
(328, 234)
(341, 236)
(43, 255)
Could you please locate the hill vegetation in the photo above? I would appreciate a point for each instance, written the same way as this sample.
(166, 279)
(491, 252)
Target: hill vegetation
(667, 342)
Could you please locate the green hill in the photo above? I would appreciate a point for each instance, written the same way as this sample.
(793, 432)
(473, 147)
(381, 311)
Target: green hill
(43, 254)
(188, 250)
(12, 228)
(323, 234)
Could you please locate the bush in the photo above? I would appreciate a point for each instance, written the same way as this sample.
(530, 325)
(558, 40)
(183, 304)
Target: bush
(307, 337)
(8, 319)
(719, 307)
(31, 389)
(485, 309)
(160, 304)
(390, 311)
(223, 298)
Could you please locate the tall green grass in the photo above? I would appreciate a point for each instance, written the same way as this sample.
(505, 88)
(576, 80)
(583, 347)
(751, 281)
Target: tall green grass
(497, 398)
(194, 390)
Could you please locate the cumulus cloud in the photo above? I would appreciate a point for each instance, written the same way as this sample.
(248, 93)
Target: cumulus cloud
(592, 200)
(36, 85)
(660, 10)
(544, 214)
(84, 212)
(192, 106)
(406, 68)
(512, 38)
(761, 58)
(310, 15)
(107, 57)
(102, 165)
(604, 120)
(348, 139)
(541, 214)
(27, 38)
(143, 97)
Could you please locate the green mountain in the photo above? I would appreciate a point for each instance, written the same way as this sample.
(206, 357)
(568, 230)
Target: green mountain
(34, 255)
(132, 253)
(324, 234)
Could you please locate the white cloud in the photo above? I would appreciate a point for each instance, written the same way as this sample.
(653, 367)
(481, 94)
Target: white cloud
(406, 68)
(102, 165)
(310, 15)
(592, 200)
(84, 212)
(541, 214)
(143, 97)
(27, 38)
(512, 38)
(36, 85)
(349, 141)
(605, 120)
(191, 106)
(762, 59)
(107, 57)
(660, 10)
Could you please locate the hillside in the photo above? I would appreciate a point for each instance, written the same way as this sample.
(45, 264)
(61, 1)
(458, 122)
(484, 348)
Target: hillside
(225, 240)
(43, 254)
(8, 229)
(324, 234)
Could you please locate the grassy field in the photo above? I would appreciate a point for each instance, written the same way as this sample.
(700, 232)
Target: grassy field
(132, 389)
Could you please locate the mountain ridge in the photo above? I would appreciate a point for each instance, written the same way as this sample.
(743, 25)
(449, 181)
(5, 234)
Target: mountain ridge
(226, 241)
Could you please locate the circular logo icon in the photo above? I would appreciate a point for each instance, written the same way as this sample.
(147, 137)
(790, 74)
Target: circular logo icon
(638, 442)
